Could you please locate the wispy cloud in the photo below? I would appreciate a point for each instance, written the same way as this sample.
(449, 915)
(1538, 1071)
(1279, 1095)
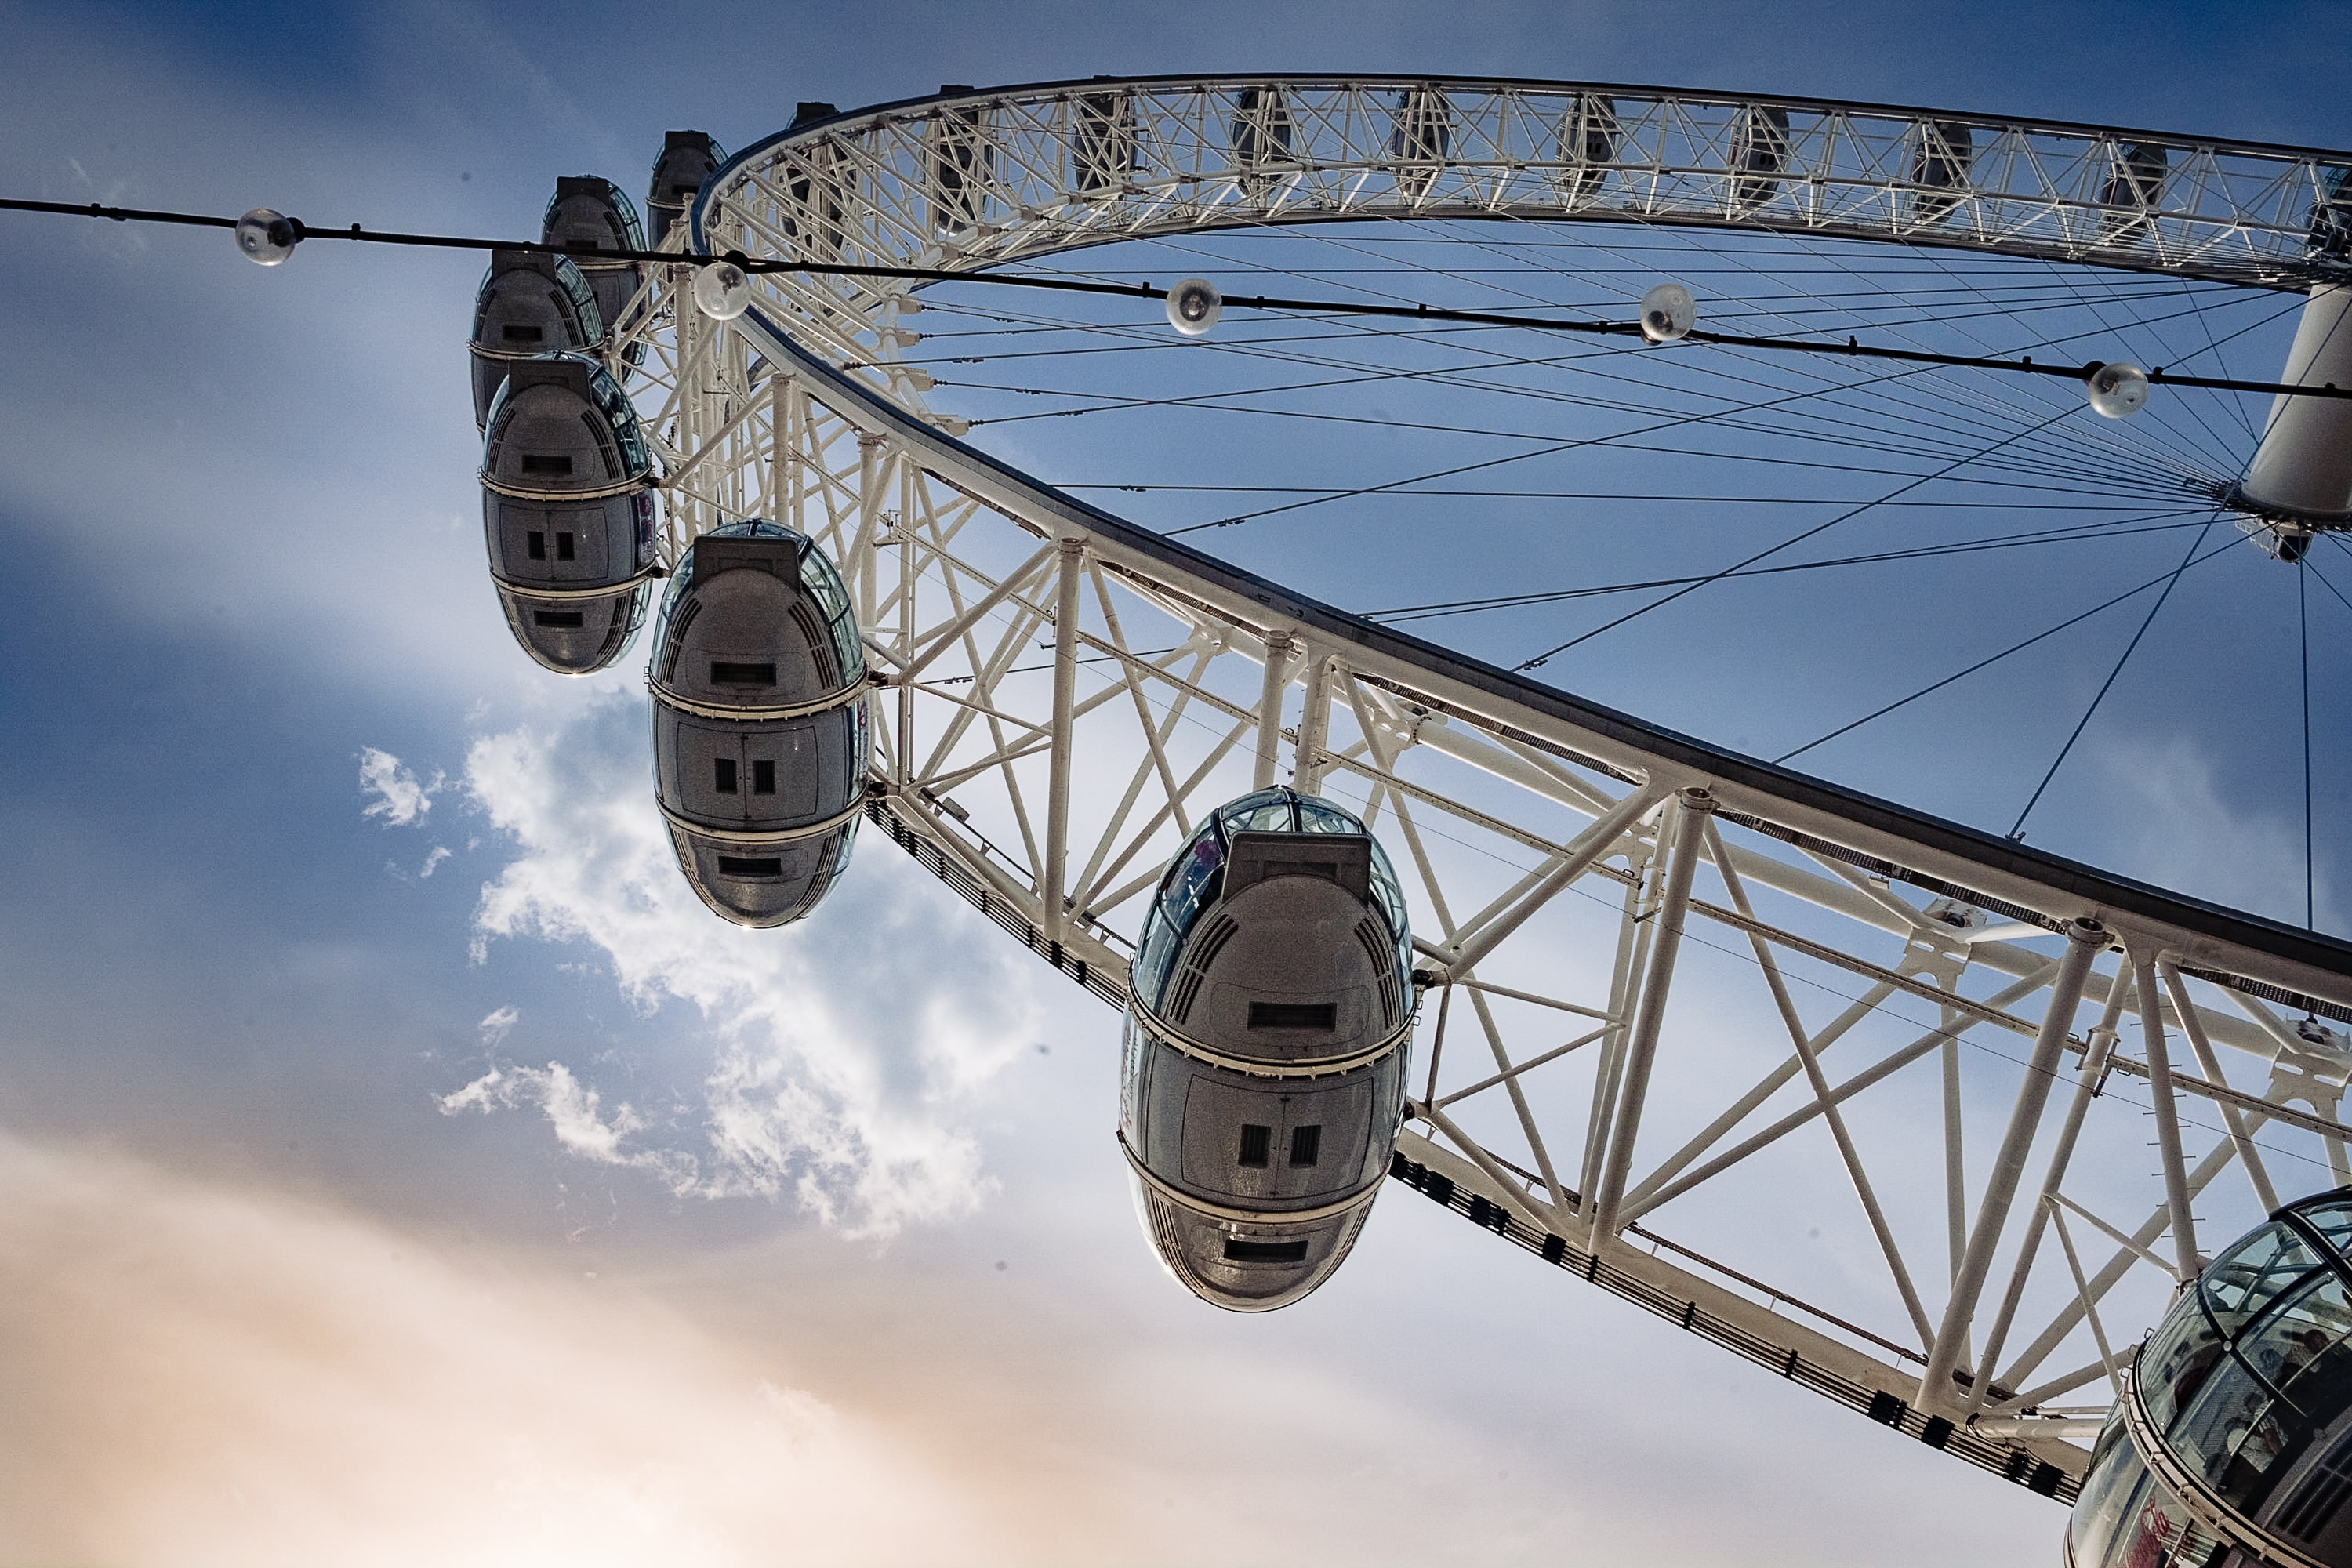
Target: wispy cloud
(841, 1076)
(576, 1113)
(2176, 821)
(396, 794)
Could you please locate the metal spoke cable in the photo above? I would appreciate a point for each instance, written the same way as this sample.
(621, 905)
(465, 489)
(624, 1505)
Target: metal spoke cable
(2014, 648)
(1472, 468)
(2303, 632)
(1538, 662)
(2017, 828)
(2203, 479)
(1214, 402)
(2149, 523)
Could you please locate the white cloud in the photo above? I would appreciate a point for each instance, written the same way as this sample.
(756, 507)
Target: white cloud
(575, 1111)
(840, 1075)
(439, 854)
(399, 796)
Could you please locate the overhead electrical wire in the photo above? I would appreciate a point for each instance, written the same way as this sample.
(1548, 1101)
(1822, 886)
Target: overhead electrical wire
(1851, 348)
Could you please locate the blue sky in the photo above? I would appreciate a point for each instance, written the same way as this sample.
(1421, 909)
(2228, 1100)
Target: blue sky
(368, 1202)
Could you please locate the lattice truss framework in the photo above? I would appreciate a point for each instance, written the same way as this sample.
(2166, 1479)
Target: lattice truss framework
(1918, 1138)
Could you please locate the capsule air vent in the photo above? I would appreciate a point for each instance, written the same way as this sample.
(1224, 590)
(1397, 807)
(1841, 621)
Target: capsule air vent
(1375, 943)
(1209, 942)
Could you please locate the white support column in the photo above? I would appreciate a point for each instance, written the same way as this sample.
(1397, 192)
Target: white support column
(1314, 724)
(1650, 1011)
(1269, 708)
(2184, 1007)
(1633, 954)
(1936, 1391)
(2167, 1115)
(864, 564)
(1066, 696)
(2093, 1067)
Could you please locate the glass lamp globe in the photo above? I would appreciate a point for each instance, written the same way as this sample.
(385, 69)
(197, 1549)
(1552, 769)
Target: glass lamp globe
(1668, 312)
(267, 238)
(722, 291)
(1193, 306)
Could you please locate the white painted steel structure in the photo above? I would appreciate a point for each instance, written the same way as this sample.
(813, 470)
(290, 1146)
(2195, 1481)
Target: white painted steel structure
(1664, 976)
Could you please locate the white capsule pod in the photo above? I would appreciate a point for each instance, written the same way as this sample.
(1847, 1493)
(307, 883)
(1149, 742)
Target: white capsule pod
(267, 238)
(1267, 1040)
(1668, 312)
(722, 291)
(759, 686)
(587, 218)
(530, 303)
(568, 511)
(2116, 390)
(2232, 1440)
(1194, 307)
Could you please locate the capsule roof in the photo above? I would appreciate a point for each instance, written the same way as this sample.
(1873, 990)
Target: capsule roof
(687, 159)
(529, 303)
(589, 211)
(789, 633)
(1238, 850)
(565, 455)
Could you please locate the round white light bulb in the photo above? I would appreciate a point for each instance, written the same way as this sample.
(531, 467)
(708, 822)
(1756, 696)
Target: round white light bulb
(2117, 390)
(1193, 306)
(1667, 312)
(267, 238)
(722, 291)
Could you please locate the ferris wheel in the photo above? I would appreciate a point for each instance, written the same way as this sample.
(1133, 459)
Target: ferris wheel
(1657, 1012)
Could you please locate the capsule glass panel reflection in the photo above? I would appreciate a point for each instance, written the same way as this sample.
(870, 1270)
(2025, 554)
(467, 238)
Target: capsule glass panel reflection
(2232, 1444)
(1266, 1046)
(760, 724)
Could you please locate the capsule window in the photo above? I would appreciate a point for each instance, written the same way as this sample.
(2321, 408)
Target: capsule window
(534, 544)
(750, 865)
(572, 619)
(1257, 1142)
(725, 674)
(517, 332)
(723, 770)
(1294, 1015)
(547, 462)
(1306, 1143)
(1240, 1249)
(764, 777)
(563, 550)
